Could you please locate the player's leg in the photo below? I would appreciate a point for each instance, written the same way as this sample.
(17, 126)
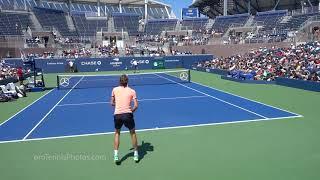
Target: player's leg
(116, 145)
(134, 141)
(117, 125)
(130, 124)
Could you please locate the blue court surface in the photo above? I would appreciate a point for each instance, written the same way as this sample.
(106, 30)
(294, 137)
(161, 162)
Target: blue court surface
(171, 104)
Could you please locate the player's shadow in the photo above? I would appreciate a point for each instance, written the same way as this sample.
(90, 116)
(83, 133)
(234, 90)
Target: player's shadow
(144, 148)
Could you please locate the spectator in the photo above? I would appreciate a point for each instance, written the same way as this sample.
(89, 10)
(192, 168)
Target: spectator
(296, 62)
(20, 75)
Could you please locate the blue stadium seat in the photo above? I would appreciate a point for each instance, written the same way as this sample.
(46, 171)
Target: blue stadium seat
(127, 22)
(56, 19)
(269, 19)
(156, 26)
(14, 23)
(88, 28)
(194, 23)
(222, 23)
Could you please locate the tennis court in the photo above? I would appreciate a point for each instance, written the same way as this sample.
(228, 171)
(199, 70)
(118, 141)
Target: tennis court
(80, 107)
(67, 133)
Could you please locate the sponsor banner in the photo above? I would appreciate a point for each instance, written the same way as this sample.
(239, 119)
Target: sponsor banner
(171, 60)
(51, 65)
(13, 62)
(90, 63)
(113, 63)
(158, 64)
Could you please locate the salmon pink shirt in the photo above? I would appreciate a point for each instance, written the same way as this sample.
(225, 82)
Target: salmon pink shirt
(123, 97)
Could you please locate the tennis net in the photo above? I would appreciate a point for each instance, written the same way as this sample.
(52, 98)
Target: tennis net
(112, 80)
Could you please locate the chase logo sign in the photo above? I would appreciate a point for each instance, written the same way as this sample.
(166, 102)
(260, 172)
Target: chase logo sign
(91, 63)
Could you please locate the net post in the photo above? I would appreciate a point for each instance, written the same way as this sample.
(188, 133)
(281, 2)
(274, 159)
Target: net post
(58, 80)
(189, 76)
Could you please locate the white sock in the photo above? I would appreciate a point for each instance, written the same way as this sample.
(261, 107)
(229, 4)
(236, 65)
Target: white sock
(136, 153)
(116, 152)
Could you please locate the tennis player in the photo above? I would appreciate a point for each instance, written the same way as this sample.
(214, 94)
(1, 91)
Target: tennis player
(135, 65)
(122, 96)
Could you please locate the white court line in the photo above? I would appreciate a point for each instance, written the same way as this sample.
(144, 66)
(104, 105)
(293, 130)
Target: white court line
(117, 74)
(25, 137)
(247, 99)
(141, 100)
(26, 107)
(151, 129)
(214, 97)
(176, 127)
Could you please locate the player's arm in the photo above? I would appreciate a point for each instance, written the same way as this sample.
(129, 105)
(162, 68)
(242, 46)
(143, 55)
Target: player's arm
(135, 102)
(135, 105)
(113, 99)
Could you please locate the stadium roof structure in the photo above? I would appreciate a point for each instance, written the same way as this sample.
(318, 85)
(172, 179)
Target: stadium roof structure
(124, 2)
(214, 8)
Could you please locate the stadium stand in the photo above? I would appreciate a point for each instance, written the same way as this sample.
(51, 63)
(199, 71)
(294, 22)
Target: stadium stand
(194, 23)
(133, 10)
(14, 23)
(297, 62)
(157, 13)
(222, 23)
(6, 4)
(296, 21)
(88, 28)
(56, 19)
(270, 19)
(156, 26)
(127, 22)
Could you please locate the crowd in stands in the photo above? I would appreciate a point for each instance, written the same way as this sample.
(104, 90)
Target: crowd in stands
(195, 40)
(61, 40)
(76, 53)
(150, 38)
(296, 62)
(144, 51)
(8, 90)
(108, 51)
(44, 55)
(177, 52)
(200, 37)
(7, 72)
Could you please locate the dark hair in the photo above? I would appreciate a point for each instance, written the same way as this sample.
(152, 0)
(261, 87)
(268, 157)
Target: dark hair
(124, 80)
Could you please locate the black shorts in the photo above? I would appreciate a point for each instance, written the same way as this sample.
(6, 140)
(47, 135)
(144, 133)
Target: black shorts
(125, 119)
(20, 78)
